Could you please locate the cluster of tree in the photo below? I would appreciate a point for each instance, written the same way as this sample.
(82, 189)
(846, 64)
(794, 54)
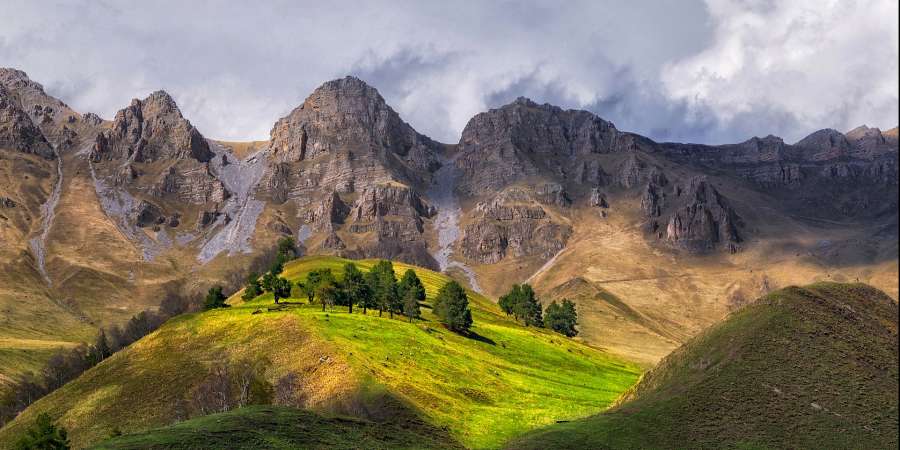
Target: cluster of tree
(67, 364)
(561, 318)
(376, 289)
(271, 281)
(44, 434)
(522, 303)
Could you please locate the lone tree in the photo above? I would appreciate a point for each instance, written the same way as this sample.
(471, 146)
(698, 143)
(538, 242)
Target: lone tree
(253, 288)
(383, 282)
(281, 288)
(561, 318)
(451, 306)
(356, 288)
(411, 291)
(44, 434)
(215, 298)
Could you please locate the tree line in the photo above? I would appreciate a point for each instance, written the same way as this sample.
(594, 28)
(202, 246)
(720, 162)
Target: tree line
(522, 303)
(377, 289)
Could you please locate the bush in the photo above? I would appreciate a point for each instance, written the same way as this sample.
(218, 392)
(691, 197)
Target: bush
(214, 299)
(44, 434)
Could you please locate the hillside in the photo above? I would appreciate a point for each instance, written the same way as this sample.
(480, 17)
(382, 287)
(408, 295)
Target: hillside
(255, 427)
(485, 389)
(812, 367)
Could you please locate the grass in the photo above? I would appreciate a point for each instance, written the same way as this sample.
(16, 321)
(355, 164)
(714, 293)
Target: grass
(813, 367)
(279, 427)
(485, 389)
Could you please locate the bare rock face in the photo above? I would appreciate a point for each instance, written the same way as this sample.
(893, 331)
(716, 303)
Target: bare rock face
(195, 185)
(699, 219)
(147, 214)
(514, 224)
(149, 130)
(349, 117)
(333, 242)
(60, 125)
(330, 211)
(635, 171)
(598, 199)
(17, 131)
(524, 139)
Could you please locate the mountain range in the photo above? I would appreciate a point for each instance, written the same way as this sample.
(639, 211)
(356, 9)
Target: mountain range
(654, 241)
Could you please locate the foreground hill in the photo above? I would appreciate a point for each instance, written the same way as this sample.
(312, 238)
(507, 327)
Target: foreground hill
(255, 427)
(485, 389)
(812, 367)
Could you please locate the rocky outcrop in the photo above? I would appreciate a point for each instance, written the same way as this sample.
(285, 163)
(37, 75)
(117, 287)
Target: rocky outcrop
(333, 242)
(524, 139)
(512, 224)
(598, 199)
(149, 130)
(17, 131)
(349, 119)
(330, 211)
(147, 214)
(700, 219)
(635, 171)
(190, 185)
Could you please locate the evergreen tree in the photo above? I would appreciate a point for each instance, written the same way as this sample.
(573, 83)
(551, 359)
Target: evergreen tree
(329, 293)
(281, 288)
(528, 308)
(315, 284)
(509, 301)
(562, 318)
(356, 288)
(411, 305)
(214, 299)
(267, 281)
(101, 348)
(451, 305)
(277, 266)
(44, 435)
(253, 288)
(287, 248)
(383, 282)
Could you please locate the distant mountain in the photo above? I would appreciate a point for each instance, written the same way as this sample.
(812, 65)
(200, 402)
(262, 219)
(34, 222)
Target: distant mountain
(812, 367)
(103, 217)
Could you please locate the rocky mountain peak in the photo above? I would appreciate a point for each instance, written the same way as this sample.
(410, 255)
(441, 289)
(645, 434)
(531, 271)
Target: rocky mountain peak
(17, 131)
(348, 117)
(149, 130)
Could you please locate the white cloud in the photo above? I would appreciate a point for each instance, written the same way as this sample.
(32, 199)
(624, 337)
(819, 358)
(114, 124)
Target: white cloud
(819, 63)
(669, 69)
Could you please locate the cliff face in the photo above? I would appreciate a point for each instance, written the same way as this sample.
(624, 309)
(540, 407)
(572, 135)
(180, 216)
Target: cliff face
(17, 131)
(345, 146)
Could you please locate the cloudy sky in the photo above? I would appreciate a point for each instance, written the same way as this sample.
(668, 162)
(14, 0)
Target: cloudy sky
(715, 71)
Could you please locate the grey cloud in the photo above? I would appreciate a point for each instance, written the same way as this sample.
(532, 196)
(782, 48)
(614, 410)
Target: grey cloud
(236, 67)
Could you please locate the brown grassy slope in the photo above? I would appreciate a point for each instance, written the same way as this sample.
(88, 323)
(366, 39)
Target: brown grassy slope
(813, 367)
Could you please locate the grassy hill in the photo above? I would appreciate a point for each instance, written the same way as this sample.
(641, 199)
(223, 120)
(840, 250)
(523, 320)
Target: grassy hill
(484, 390)
(255, 427)
(813, 367)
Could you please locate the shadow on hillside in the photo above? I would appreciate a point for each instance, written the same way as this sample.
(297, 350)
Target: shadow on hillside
(477, 337)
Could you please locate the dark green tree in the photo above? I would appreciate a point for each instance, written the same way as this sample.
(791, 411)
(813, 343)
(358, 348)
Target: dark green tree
(561, 318)
(278, 266)
(44, 435)
(451, 306)
(356, 288)
(528, 308)
(268, 279)
(383, 282)
(314, 279)
(281, 288)
(509, 301)
(411, 305)
(287, 248)
(329, 292)
(215, 298)
(253, 288)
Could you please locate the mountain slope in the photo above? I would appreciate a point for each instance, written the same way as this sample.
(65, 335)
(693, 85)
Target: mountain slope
(257, 427)
(500, 382)
(813, 367)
